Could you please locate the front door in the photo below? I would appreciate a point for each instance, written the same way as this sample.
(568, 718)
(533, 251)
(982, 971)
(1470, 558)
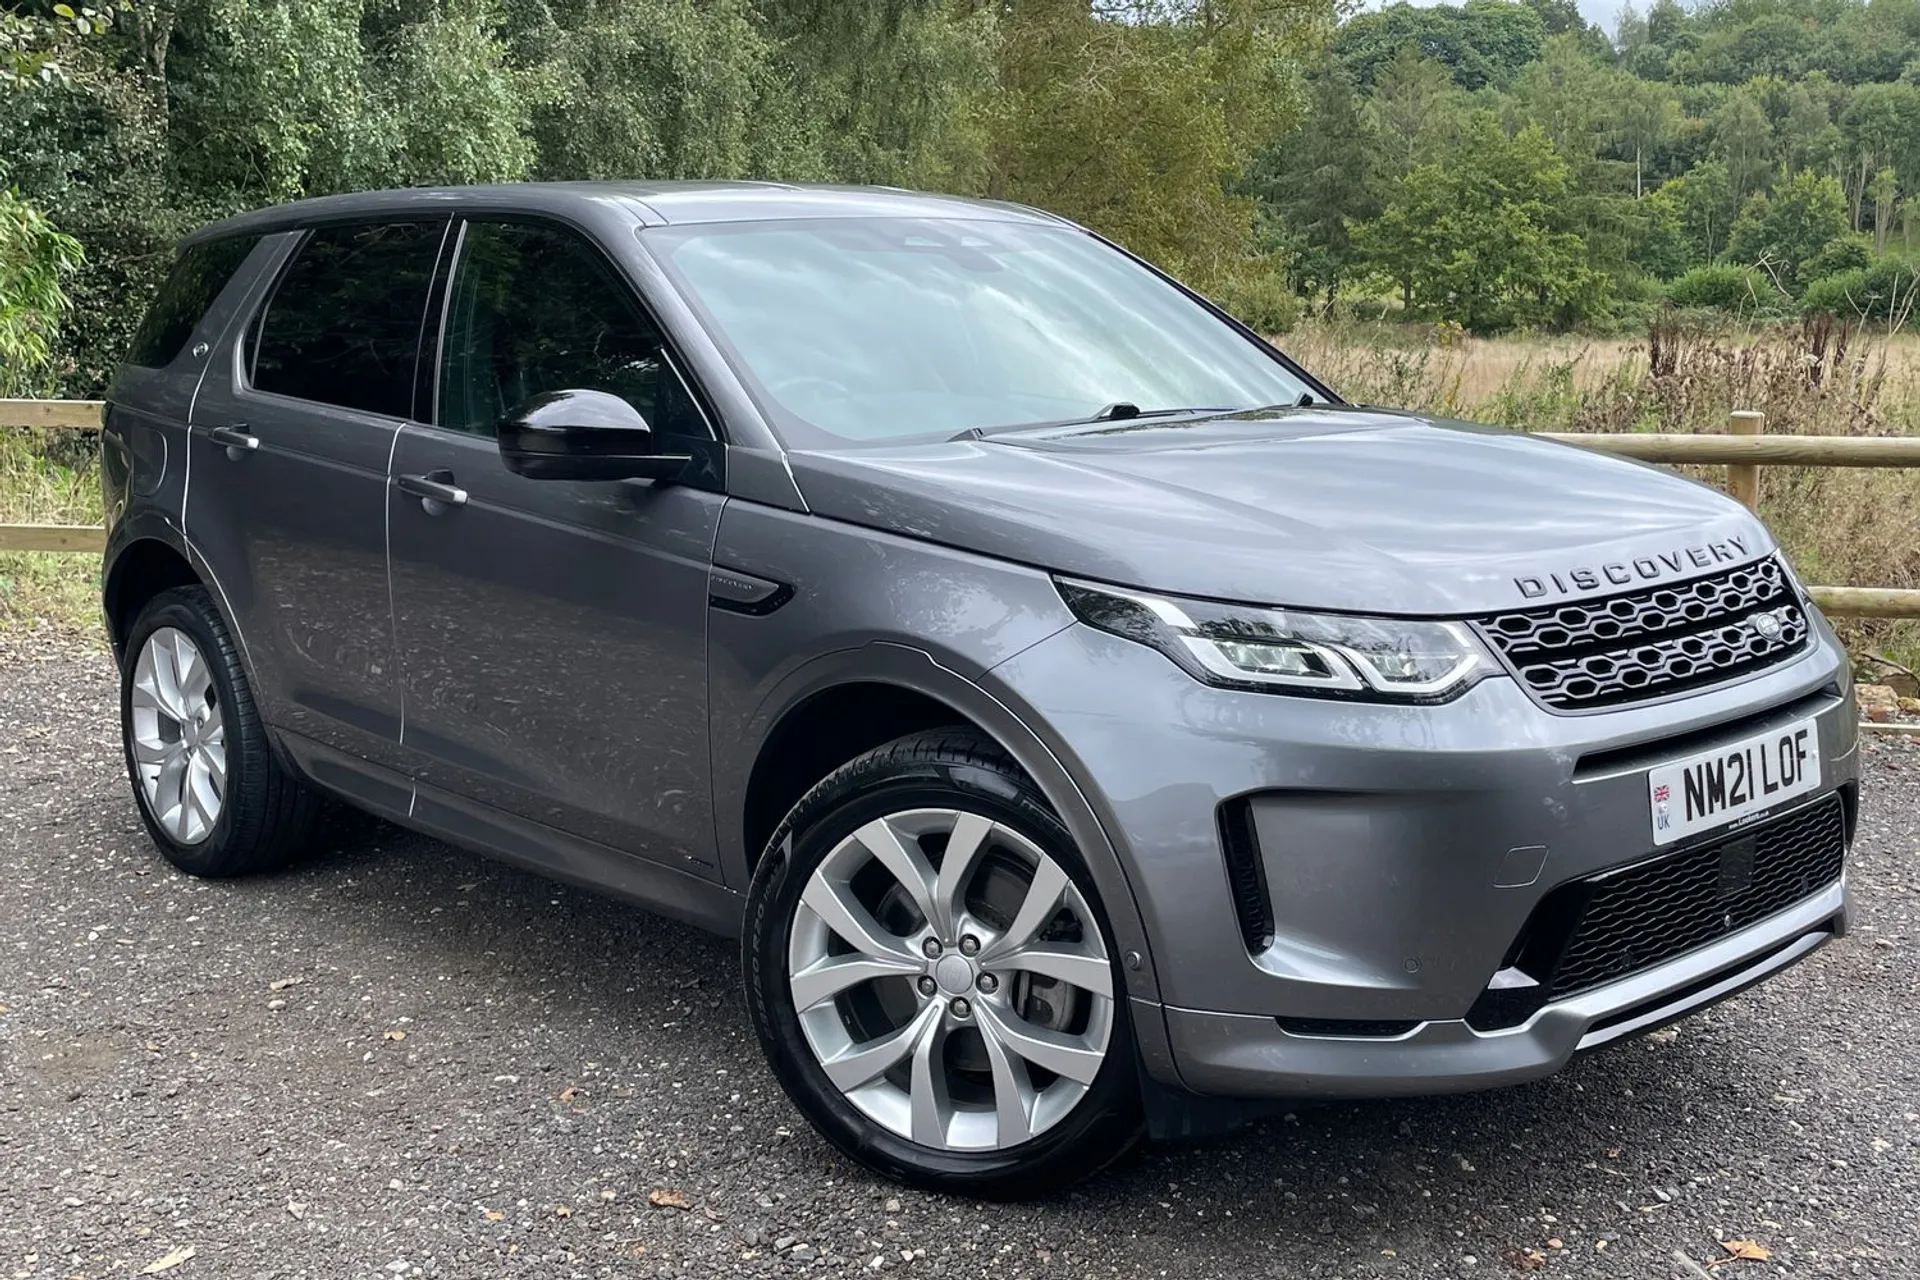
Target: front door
(552, 633)
(286, 487)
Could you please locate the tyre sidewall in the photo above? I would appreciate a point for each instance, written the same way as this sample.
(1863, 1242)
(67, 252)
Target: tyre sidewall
(1105, 1121)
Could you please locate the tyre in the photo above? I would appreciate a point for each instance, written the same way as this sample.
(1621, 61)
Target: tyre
(932, 979)
(212, 793)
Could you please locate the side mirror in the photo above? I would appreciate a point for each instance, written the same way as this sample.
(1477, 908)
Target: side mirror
(583, 435)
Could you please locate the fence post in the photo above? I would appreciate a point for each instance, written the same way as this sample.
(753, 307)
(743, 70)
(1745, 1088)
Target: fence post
(1743, 479)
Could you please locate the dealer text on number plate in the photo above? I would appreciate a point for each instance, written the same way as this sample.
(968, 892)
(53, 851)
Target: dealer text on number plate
(1726, 784)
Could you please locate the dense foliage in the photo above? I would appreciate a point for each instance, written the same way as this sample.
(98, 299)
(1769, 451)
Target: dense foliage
(1736, 154)
(1496, 164)
(1135, 116)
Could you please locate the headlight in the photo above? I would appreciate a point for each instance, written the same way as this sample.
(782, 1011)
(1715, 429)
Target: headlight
(1247, 647)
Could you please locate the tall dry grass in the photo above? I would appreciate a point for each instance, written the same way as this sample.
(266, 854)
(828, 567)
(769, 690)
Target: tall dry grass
(1841, 526)
(49, 478)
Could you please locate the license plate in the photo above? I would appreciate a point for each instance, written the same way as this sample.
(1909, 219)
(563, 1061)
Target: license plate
(1722, 787)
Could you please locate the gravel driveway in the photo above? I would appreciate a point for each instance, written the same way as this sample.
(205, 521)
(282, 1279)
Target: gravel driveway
(398, 1059)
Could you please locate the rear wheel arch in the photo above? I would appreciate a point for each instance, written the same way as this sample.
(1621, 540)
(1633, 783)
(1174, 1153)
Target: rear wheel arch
(141, 571)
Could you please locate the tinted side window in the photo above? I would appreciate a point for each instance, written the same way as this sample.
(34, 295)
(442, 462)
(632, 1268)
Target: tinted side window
(199, 274)
(535, 309)
(343, 325)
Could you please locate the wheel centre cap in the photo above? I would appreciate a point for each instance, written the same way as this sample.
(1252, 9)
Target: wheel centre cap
(954, 974)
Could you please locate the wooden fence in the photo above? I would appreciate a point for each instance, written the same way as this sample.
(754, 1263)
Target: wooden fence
(1743, 450)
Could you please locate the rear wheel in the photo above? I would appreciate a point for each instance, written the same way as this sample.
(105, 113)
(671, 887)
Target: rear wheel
(213, 796)
(932, 979)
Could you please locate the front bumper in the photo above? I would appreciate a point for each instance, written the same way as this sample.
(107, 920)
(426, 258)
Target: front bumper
(1243, 1055)
(1403, 851)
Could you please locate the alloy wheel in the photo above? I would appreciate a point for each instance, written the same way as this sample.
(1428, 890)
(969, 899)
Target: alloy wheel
(950, 980)
(178, 737)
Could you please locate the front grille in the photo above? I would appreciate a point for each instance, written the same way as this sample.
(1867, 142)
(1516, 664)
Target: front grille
(1651, 913)
(1596, 930)
(1647, 644)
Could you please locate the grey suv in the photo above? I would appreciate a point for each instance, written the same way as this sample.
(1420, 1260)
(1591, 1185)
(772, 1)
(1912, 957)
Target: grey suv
(1089, 723)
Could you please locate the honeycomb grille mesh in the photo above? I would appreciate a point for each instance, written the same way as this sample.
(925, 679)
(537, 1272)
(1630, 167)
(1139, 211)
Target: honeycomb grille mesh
(1647, 644)
(1649, 914)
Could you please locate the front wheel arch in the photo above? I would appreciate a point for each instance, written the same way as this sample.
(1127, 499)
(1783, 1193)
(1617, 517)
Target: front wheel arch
(969, 702)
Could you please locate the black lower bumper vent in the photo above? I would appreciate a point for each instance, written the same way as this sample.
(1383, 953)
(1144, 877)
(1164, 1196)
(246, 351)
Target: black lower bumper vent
(1605, 927)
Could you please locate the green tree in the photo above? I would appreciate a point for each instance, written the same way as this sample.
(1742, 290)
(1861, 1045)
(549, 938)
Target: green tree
(1743, 142)
(1317, 180)
(1784, 233)
(35, 259)
(1137, 127)
(1485, 43)
(1415, 112)
(1478, 238)
(1702, 199)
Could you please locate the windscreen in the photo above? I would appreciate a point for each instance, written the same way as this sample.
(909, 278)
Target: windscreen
(897, 329)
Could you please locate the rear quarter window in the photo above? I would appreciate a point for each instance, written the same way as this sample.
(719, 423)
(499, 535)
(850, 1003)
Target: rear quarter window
(343, 326)
(199, 274)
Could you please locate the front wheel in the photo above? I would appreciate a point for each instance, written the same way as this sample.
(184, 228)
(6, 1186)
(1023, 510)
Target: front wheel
(931, 977)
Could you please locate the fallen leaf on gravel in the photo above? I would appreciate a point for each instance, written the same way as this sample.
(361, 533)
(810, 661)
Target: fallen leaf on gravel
(167, 1262)
(1742, 1251)
(281, 984)
(561, 1211)
(1524, 1259)
(569, 1093)
(493, 1215)
(396, 1035)
(667, 1198)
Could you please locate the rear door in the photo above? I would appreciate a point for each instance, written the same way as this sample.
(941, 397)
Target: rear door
(553, 633)
(286, 499)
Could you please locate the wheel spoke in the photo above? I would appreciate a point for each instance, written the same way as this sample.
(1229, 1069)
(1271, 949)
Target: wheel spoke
(203, 794)
(215, 757)
(1088, 972)
(167, 670)
(169, 798)
(964, 845)
(932, 1108)
(192, 676)
(834, 903)
(1043, 897)
(904, 860)
(871, 1059)
(1012, 1090)
(213, 730)
(150, 751)
(1061, 1054)
(825, 979)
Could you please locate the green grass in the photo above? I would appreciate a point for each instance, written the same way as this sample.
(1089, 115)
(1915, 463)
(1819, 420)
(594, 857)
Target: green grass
(49, 477)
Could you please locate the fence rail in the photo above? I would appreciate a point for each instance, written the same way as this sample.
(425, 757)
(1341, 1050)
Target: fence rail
(1743, 451)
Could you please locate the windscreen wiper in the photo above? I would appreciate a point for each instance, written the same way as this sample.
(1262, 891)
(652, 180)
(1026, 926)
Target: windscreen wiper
(1118, 411)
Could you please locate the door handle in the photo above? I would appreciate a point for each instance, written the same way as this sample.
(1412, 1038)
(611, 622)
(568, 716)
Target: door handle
(238, 443)
(436, 491)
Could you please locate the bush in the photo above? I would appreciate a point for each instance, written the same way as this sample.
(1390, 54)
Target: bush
(1260, 299)
(1845, 253)
(1888, 291)
(1722, 288)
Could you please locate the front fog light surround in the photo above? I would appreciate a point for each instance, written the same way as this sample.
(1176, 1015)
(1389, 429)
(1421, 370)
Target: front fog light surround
(1282, 650)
